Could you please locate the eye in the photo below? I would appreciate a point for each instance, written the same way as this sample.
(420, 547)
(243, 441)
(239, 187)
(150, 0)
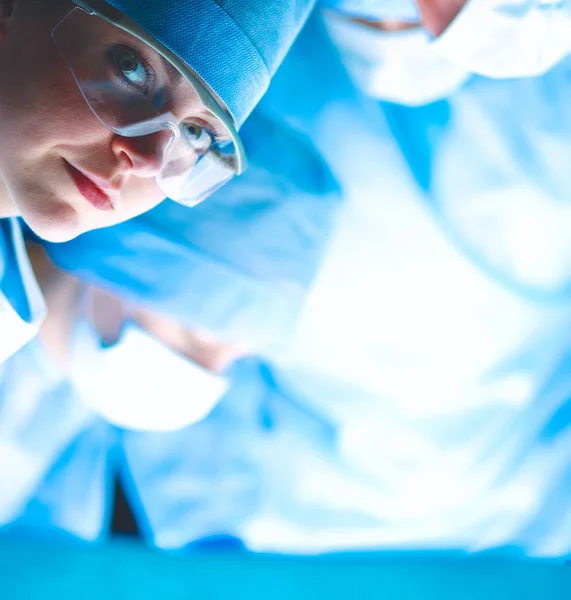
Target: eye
(199, 137)
(131, 68)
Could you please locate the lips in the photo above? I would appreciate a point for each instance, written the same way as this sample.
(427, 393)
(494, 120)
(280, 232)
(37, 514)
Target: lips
(90, 190)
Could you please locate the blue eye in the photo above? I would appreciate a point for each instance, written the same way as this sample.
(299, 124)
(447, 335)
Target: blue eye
(133, 70)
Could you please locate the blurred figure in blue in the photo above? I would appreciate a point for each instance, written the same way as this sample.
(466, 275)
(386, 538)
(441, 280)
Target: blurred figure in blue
(433, 346)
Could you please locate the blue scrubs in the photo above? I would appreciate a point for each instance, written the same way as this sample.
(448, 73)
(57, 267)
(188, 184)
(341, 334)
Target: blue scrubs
(40, 417)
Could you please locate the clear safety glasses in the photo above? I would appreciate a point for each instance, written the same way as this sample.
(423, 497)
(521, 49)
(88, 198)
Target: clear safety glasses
(136, 87)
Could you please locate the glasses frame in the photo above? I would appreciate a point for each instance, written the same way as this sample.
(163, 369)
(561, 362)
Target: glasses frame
(116, 17)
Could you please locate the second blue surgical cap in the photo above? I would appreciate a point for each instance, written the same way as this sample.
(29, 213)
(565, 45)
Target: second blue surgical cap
(238, 266)
(235, 46)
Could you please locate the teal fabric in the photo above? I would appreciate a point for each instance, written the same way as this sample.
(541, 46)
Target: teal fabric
(50, 569)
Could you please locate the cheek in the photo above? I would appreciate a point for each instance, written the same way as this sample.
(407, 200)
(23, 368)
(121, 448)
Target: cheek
(139, 196)
(48, 118)
(143, 194)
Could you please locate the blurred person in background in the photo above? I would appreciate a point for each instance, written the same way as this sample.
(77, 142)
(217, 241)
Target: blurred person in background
(424, 401)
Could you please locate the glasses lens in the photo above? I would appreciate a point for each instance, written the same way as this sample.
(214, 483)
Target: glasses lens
(192, 186)
(134, 92)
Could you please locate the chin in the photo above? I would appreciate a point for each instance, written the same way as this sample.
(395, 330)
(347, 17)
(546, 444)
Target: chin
(56, 226)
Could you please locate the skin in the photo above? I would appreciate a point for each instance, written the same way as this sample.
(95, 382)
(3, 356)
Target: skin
(46, 125)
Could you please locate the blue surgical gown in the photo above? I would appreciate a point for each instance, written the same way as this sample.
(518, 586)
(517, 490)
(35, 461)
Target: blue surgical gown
(60, 457)
(54, 452)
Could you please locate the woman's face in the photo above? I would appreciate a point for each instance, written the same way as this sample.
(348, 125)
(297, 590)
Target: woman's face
(63, 170)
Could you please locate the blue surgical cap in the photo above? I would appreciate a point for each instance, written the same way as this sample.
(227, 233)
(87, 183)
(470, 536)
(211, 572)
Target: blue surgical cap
(237, 266)
(235, 46)
(375, 10)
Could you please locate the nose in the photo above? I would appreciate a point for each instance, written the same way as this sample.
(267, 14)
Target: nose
(438, 14)
(144, 155)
